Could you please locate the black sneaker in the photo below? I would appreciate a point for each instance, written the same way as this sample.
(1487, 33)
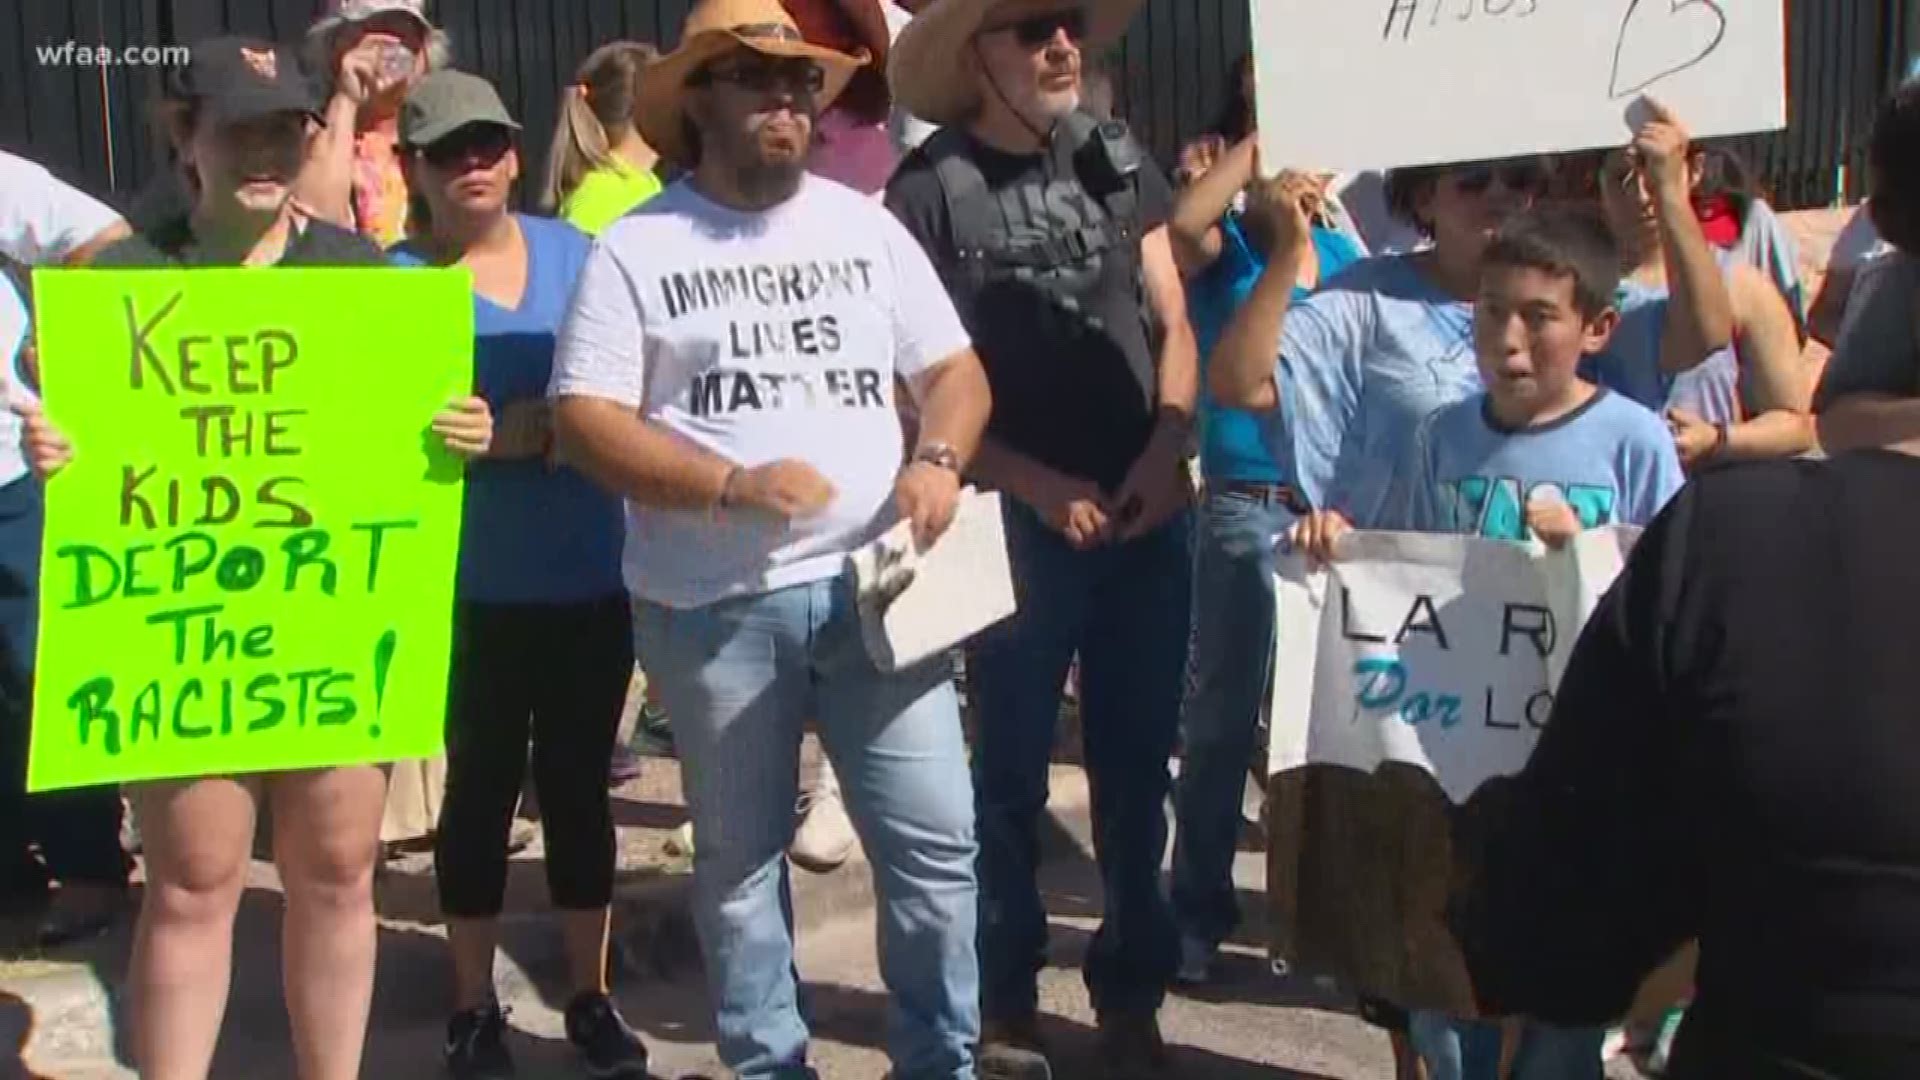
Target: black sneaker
(608, 1047)
(1012, 1050)
(476, 1044)
(1131, 1047)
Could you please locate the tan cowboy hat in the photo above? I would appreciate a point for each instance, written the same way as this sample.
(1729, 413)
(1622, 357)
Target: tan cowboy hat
(927, 67)
(715, 28)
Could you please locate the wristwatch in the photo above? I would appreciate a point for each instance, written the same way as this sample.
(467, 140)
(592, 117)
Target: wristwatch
(940, 455)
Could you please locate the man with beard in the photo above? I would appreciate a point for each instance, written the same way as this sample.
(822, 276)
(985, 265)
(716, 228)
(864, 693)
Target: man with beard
(1047, 226)
(729, 367)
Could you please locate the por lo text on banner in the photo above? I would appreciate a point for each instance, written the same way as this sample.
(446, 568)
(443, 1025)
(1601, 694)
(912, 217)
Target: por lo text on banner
(1412, 676)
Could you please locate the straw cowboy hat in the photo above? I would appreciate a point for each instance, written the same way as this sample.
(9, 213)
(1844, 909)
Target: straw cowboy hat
(714, 29)
(927, 68)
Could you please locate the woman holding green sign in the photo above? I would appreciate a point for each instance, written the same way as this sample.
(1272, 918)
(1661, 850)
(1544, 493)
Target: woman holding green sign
(240, 119)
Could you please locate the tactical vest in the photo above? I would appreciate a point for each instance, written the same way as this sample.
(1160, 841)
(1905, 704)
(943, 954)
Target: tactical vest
(1102, 156)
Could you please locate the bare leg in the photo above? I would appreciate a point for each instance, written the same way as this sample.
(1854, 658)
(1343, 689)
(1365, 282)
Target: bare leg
(585, 934)
(326, 825)
(198, 838)
(472, 943)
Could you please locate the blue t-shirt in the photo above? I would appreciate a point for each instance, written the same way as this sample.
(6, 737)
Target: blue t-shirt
(1232, 443)
(1611, 460)
(1362, 362)
(532, 534)
(1631, 363)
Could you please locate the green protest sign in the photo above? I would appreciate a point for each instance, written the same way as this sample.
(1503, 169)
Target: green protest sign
(249, 565)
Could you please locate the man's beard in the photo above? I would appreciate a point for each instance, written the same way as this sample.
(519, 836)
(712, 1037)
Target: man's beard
(769, 183)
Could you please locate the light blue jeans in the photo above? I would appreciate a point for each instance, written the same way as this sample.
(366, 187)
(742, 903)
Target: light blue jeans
(1470, 1049)
(1232, 675)
(740, 679)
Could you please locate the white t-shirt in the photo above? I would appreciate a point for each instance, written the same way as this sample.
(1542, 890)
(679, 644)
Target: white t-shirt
(42, 220)
(14, 322)
(759, 337)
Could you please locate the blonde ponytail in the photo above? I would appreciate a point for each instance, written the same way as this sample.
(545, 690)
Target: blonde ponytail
(595, 111)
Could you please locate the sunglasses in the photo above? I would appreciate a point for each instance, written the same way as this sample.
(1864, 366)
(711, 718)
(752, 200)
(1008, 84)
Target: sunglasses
(477, 146)
(801, 78)
(1527, 179)
(1037, 30)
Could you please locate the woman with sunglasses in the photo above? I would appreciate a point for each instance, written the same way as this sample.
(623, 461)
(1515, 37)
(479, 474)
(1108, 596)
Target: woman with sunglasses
(1354, 369)
(240, 125)
(543, 646)
(1704, 340)
(1357, 366)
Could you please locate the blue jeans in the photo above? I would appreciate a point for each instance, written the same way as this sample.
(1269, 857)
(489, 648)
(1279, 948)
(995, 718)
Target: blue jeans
(1125, 610)
(1232, 676)
(78, 830)
(740, 678)
(1470, 1049)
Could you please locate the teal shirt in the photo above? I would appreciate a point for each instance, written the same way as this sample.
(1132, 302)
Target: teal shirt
(1235, 445)
(1611, 460)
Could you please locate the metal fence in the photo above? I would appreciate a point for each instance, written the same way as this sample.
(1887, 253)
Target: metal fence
(1170, 74)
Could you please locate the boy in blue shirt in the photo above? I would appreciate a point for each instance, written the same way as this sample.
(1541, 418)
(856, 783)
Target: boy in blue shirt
(1543, 453)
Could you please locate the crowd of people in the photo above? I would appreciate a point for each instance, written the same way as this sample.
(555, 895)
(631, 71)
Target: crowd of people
(825, 262)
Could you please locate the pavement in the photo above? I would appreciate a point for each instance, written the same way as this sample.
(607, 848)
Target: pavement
(62, 1016)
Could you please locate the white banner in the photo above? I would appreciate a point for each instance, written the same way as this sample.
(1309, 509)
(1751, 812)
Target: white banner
(1364, 84)
(1440, 652)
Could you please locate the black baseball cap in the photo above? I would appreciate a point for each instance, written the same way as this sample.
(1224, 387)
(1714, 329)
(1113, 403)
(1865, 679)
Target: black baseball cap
(238, 79)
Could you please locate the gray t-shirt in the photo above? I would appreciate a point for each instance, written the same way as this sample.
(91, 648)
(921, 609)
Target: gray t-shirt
(1877, 352)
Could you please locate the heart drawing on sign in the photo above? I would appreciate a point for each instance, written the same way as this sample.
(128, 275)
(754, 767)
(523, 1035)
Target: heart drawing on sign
(1661, 38)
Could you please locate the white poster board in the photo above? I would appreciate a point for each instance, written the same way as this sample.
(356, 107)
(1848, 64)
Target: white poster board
(1365, 84)
(1441, 652)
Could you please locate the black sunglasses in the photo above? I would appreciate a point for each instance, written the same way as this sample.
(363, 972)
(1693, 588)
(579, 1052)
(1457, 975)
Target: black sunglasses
(1037, 30)
(1528, 178)
(802, 78)
(482, 144)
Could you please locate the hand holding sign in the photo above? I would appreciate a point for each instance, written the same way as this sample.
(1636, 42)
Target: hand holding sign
(927, 495)
(1661, 145)
(1282, 211)
(1551, 518)
(48, 451)
(466, 426)
(1318, 535)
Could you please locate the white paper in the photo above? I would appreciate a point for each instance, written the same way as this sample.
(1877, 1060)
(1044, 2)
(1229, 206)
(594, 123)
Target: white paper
(952, 591)
(1441, 652)
(1366, 84)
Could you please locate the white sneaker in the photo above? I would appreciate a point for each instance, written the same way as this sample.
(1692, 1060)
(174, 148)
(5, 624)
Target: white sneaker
(825, 839)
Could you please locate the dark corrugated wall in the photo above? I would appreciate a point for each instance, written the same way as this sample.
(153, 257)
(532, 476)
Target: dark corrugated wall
(1170, 74)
